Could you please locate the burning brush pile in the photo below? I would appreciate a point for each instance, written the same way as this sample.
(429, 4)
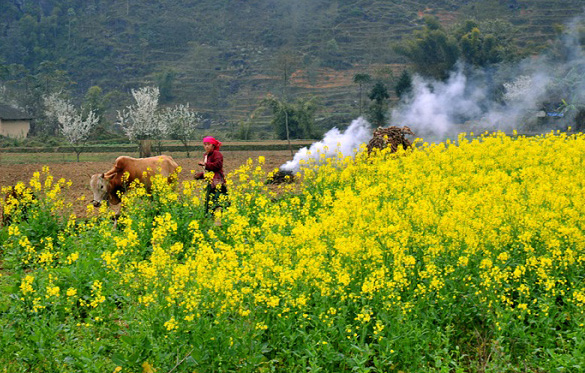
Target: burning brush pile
(281, 176)
(383, 137)
(390, 136)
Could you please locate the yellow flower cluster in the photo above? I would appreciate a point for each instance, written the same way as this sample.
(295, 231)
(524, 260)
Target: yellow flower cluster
(26, 284)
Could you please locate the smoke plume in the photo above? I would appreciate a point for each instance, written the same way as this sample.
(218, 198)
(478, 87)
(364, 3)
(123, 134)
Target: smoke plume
(333, 143)
(506, 97)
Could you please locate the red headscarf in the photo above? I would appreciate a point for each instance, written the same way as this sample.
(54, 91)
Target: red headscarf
(213, 141)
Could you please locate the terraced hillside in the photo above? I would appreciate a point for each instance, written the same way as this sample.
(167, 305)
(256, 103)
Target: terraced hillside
(362, 33)
(536, 19)
(224, 54)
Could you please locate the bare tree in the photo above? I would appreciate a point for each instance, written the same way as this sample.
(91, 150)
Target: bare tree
(361, 79)
(181, 123)
(72, 123)
(141, 122)
(286, 62)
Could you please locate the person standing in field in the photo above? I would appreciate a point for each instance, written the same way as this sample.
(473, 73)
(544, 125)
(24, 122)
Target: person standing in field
(213, 162)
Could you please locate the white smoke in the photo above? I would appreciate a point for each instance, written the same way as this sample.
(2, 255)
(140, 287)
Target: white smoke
(506, 98)
(435, 106)
(465, 102)
(333, 143)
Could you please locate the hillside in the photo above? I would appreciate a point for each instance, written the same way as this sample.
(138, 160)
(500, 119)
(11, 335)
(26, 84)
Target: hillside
(222, 56)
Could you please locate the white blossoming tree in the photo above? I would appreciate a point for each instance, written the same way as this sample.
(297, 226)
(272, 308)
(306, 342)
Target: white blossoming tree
(72, 124)
(141, 121)
(181, 123)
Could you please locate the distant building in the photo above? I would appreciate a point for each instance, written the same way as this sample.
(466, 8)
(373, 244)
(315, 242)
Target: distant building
(13, 122)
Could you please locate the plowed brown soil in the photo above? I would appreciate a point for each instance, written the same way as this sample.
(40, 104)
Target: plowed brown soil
(79, 173)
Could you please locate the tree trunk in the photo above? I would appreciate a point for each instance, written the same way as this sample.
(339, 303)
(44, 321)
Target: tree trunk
(186, 144)
(145, 148)
(360, 103)
(287, 133)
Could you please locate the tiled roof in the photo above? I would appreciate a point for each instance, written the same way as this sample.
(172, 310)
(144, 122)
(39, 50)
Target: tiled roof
(8, 112)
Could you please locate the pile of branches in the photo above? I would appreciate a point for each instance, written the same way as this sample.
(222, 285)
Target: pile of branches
(392, 136)
(280, 177)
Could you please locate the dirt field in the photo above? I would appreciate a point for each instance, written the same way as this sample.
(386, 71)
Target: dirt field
(79, 173)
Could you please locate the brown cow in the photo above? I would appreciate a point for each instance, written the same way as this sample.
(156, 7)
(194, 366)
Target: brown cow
(108, 186)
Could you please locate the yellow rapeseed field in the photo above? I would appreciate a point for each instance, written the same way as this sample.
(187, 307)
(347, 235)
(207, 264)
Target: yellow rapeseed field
(458, 256)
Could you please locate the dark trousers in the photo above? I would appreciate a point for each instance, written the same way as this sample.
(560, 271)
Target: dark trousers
(213, 199)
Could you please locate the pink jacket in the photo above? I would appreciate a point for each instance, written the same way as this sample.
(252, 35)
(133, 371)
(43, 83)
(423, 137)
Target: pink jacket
(214, 163)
